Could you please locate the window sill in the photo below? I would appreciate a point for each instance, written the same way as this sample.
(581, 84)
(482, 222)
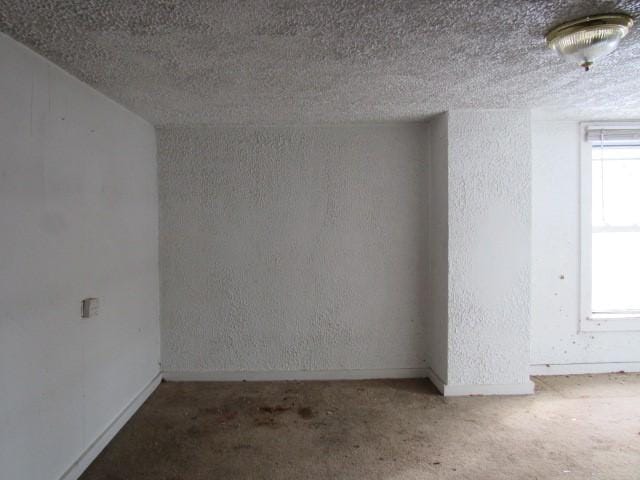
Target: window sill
(611, 322)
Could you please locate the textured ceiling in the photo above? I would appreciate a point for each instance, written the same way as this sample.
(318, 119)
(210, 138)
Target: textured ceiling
(203, 61)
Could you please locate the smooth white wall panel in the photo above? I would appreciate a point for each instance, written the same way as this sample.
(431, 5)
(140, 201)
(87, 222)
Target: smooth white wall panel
(78, 218)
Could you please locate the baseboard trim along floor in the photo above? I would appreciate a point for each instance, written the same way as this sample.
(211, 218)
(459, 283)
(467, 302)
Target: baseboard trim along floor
(447, 390)
(582, 368)
(265, 376)
(112, 429)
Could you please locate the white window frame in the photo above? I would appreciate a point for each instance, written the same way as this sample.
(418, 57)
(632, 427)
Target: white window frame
(590, 322)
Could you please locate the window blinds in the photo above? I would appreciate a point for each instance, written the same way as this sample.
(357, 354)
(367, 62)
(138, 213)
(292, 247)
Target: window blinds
(613, 136)
(615, 218)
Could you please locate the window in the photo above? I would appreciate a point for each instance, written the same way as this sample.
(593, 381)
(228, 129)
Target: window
(610, 244)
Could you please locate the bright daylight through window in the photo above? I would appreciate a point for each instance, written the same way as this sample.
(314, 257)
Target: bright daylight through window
(615, 223)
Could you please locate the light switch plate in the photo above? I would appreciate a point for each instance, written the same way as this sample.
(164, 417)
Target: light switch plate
(89, 307)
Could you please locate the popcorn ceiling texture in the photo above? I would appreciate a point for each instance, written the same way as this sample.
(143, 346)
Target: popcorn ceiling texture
(293, 248)
(318, 61)
(489, 247)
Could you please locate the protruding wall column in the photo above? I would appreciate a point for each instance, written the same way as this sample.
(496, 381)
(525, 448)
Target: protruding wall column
(438, 234)
(489, 252)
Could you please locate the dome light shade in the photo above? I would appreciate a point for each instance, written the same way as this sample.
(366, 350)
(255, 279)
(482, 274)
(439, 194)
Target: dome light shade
(586, 39)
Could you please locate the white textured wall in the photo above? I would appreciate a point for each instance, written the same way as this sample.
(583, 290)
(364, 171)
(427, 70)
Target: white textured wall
(293, 248)
(555, 275)
(489, 247)
(78, 218)
(438, 232)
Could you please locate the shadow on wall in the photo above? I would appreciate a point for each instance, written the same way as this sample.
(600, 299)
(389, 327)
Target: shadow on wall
(293, 248)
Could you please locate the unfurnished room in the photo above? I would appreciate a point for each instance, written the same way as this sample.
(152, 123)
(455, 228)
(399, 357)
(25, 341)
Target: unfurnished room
(319, 239)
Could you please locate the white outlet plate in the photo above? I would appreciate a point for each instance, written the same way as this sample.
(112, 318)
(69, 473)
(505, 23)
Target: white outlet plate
(89, 307)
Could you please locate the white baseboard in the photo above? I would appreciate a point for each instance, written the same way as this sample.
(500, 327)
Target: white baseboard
(466, 390)
(582, 368)
(526, 388)
(264, 376)
(114, 427)
(268, 375)
(436, 380)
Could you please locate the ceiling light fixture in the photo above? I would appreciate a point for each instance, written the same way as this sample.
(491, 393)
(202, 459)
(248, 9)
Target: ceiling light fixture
(586, 39)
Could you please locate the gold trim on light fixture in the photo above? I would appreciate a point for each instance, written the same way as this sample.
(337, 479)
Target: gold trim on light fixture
(588, 38)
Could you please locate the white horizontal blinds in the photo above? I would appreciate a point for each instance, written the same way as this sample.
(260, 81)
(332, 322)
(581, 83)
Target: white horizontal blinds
(615, 209)
(613, 136)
